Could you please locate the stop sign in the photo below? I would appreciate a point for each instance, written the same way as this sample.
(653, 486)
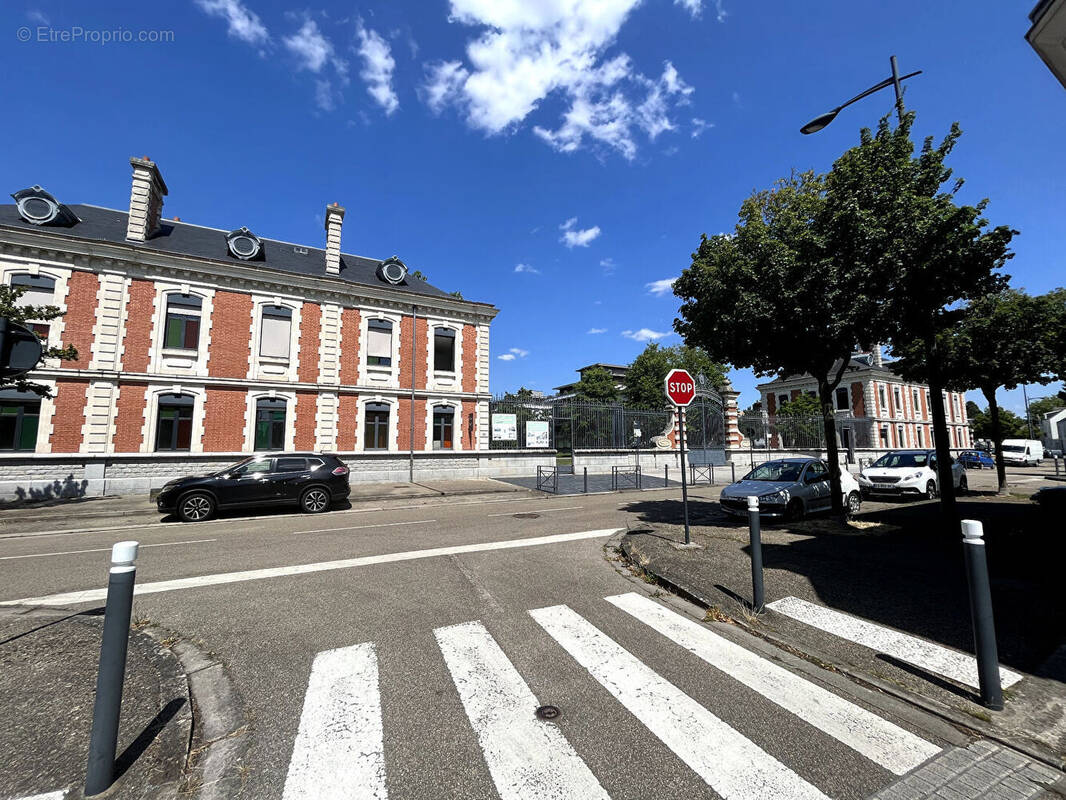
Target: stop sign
(680, 387)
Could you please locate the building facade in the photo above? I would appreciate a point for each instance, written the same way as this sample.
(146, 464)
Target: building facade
(199, 345)
(899, 412)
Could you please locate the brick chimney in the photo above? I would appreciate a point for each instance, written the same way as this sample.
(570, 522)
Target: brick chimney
(146, 200)
(334, 218)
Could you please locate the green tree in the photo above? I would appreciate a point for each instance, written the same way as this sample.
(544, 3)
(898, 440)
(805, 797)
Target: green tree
(597, 385)
(972, 409)
(10, 309)
(644, 380)
(890, 217)
(774, 297)
(522, 395)
(1011, 426)
(799, 421)
(1000, 340)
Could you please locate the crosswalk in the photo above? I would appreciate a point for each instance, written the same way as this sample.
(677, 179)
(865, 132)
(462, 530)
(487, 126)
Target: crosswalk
(339, 749)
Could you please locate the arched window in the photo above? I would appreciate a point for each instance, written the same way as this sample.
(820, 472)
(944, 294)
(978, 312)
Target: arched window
(443, 427)
(173, 430)
(39, 291)
(275, 332)
(19, 414)
(183, 322)
(443, 350)
(270, 423)
(379, 343)
(376, 426)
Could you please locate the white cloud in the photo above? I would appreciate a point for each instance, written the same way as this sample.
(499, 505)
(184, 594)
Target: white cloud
(518, 351)
(378, 66)
(506, 357)
(695, 8)
(699, 126)
(312, 49)
(243, 23)
(644, 335)
(576, 237)
(324, 95)
(526, 52)
(597, 330)
(527, 268)
(660, 288)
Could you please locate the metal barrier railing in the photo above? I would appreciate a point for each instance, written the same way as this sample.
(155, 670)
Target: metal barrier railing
(701, 472)
(626, 477)
(548, 479)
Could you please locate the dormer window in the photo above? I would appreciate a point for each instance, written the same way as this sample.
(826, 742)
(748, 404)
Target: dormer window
(38, 207)
(392, 270)
(244, 244)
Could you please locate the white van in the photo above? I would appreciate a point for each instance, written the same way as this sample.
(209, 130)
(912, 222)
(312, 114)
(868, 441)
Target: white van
(1026, 452)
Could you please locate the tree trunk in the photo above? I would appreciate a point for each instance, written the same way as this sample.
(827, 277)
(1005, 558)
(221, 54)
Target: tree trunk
(997, 438)
(825, 396)
(945, 480)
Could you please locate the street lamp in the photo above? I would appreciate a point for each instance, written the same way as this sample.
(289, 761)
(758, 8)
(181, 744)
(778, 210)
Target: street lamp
(822, 120)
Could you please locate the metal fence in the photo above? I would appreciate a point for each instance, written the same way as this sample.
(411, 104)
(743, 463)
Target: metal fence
(569, 425)
(806, 433)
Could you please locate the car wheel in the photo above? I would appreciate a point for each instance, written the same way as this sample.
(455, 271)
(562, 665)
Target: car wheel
(930, 490)
(196, 507)
(963, 486)
(794, 510)
(315, 500)
(854, 503)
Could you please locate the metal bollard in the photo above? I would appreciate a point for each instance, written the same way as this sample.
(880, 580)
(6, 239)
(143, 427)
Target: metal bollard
(586, 480)
(733, 469)
(710, 481)
(755, 535)
(984, 627)
(103, 740)
(666, 475)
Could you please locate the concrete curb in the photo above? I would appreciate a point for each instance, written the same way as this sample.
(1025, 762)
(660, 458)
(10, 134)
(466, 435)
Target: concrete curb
(963, 721)
(219, 741)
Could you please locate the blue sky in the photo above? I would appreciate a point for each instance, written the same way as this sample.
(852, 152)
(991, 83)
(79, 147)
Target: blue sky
(557, 159)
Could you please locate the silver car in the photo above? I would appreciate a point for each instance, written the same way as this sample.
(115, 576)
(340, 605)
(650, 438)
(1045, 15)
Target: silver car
(789, 488)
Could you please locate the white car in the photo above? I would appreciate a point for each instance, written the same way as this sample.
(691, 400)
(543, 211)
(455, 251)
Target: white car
(908, 472)
(1025, 452)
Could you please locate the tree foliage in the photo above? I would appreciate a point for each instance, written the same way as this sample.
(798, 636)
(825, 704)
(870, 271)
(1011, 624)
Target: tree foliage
(803, 405)
(9, 308)
(598, 385)
(644, 380)
(1011, 426)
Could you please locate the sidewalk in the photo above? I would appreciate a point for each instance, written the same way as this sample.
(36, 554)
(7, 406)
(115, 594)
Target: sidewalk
(48, 662)
(891, 566)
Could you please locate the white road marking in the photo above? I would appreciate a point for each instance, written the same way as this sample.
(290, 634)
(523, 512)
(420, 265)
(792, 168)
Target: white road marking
(339, 751)
(735, 767)
(216, 579)
(535, 511)
(362, 527)
(958, 666)
(881, 741)
(528, 759)
(103, 549)
(59, 794)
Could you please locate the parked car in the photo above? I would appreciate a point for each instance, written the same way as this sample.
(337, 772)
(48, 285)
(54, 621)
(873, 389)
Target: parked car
(976, 459)
(313, 481)
(1024, 452)
(908, 472)
(789, 488)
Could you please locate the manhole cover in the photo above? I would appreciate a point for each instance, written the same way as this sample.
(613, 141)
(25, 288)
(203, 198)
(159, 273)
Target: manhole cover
(548, 712)
(527, 515)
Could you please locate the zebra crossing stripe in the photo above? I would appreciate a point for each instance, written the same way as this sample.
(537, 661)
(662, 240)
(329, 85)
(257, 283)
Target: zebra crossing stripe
(881, 741)
(735, 767)
(527, 758)
(920, 652)
(339, 750)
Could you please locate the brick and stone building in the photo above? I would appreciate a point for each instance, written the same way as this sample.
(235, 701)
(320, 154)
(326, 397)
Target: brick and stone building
(898, 412)
(199, 345)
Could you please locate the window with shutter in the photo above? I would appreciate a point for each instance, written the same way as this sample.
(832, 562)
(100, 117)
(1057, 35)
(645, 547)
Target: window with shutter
(39, 291)
(379, 343)
(276, 331)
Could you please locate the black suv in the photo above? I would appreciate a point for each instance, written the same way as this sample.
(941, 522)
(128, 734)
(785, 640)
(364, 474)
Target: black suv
(311, 480)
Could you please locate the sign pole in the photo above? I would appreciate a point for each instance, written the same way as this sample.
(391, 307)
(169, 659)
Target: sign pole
(684, 480)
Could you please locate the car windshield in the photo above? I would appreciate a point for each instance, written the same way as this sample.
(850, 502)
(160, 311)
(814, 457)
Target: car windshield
(1013, 448)
(776, 471)
(891, 460)
(232, 467)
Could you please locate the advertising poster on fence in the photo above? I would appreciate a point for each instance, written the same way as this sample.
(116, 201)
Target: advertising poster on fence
(537, 433)
(505, 427)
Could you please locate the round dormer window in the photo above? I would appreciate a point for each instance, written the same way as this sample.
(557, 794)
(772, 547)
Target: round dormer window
(392, 270)
(244, 244)
(38, 210)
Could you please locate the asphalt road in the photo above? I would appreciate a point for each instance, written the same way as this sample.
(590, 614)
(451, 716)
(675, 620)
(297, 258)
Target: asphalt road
(413, 700)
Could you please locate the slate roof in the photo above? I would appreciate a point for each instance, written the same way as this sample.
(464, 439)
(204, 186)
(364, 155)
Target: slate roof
(854, 364)
(181, 238)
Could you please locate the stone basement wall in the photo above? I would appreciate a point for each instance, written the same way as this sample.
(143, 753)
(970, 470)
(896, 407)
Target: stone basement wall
(44, 477)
